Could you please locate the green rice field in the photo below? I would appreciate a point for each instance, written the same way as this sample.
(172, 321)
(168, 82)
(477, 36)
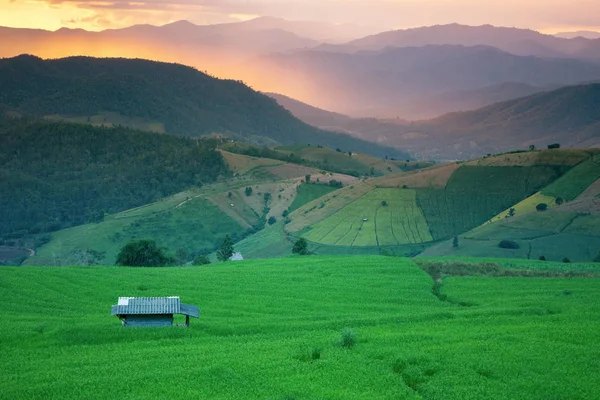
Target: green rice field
(300, 328)
(382, 217)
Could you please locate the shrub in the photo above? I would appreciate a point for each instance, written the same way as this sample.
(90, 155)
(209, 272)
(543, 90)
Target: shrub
(348, 338)
(301, 247)
(559, 201)
(554, 146)
(597, 258)
(143, 253)
(285, 213)
(542, 258)
(384, 203)
(201, 260)
(248, 191)
(541, 207)
(508, 244)
(566, 260)
(272, 220)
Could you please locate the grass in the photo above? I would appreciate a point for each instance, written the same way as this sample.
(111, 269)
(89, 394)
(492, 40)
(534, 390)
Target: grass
(358, 163)
(309, 192)
(577, 180)
(552, 234)
(526, 206)
(197, 226)
(272, 329)
(475, 194)
(368, 222)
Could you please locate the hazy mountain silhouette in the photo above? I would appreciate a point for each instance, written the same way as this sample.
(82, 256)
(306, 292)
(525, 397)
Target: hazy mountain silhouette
(583, 34)
(569, 116)
(517, 41)
(377, 82)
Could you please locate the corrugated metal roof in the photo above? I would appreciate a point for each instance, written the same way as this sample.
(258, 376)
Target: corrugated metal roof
(188, 309)
(153, 305)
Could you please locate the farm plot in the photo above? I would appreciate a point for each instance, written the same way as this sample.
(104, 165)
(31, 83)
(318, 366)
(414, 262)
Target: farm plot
(576, 181)
(382, 217)
(475, 194)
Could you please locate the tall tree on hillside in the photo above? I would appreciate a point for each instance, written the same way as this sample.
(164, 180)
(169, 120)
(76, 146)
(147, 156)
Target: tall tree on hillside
(226, 250)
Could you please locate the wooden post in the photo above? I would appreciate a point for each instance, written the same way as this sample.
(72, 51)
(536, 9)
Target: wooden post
(187, 321)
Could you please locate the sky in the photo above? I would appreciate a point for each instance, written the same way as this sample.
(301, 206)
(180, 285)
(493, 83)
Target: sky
(548, 16)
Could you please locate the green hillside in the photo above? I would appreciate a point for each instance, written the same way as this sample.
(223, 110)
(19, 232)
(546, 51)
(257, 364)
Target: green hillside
(567, 230)
(333, 327)
(157, 96)
(57, 175)
(344, 162)
(196, 221)
(409, 212)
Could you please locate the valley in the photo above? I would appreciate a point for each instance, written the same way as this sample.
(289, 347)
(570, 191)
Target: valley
(350, 206)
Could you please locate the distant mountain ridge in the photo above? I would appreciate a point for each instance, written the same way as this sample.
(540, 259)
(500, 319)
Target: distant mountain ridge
(370, 81)
(576, 34)
(513, 40)
(569, 116)
(184, 100)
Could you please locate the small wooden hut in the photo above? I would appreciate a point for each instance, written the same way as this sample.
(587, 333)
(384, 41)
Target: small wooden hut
(152, 311)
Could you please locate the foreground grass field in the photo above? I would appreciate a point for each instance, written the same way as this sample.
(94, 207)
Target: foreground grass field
(273, 330)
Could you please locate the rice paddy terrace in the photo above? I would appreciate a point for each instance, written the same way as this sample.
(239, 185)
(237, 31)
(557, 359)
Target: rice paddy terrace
(409, 212)
(305, 328)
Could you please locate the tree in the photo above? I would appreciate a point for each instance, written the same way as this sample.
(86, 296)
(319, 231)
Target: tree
(455, 242)
(531, 147)
(226, 250)
(597, 259)
(301, 247)
(307, 178)
(559, 201)
(201, 260)
(272, 220)
(566, 260)
(143, 253)
(509, 244)
(248, 191)
(541, 207)
(542, 258)
(554, 146)
(384, 203)
(511, 212)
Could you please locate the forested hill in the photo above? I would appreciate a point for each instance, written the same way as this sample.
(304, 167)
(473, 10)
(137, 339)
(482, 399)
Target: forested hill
(182, 99)
(56, 175)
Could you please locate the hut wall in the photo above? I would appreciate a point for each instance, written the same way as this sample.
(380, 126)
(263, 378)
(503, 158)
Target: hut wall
(149, 320)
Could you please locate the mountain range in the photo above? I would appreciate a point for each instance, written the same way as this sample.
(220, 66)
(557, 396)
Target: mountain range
(569, 116)
(414, 73)
(512, 40)
(365, 82)
(170, 98)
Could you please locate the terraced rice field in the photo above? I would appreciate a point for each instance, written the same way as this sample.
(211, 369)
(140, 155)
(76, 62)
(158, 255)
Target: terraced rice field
(302, 328)
(382, 217)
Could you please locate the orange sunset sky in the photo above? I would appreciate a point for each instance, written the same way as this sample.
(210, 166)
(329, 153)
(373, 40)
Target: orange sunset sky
(547, 16)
